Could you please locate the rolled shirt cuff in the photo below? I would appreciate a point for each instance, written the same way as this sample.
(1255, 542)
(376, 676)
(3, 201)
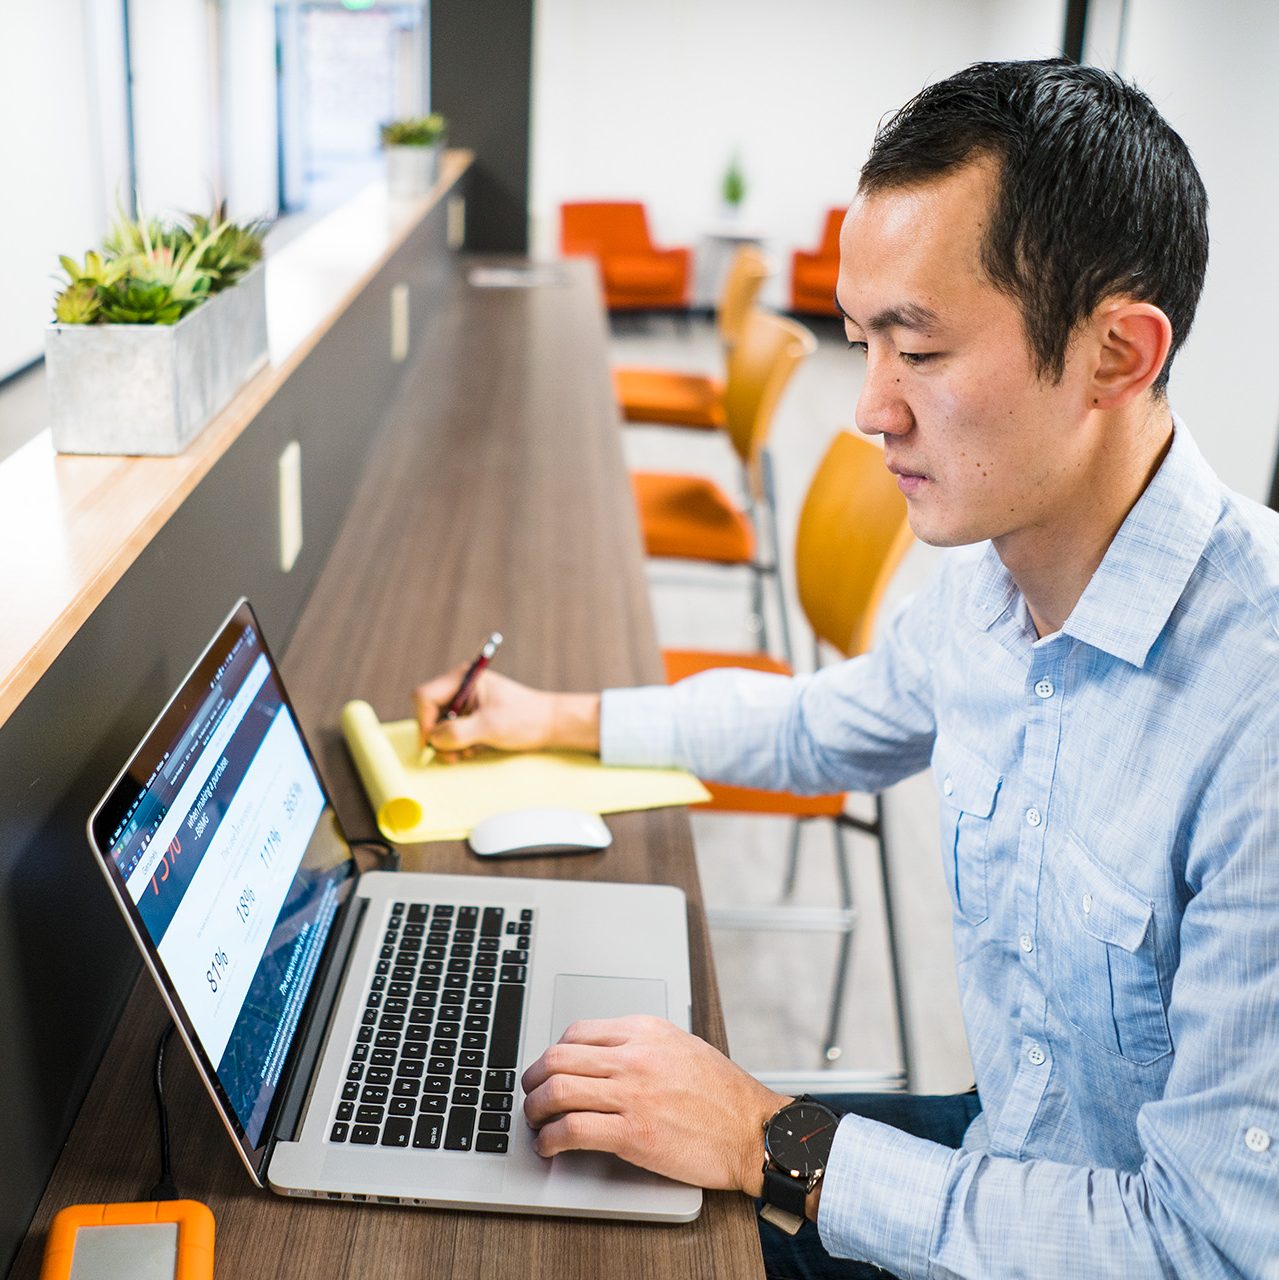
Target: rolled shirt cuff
(882, 1195)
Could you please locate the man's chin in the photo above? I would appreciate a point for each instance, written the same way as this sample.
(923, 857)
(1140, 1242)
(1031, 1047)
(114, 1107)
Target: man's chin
(937, 535)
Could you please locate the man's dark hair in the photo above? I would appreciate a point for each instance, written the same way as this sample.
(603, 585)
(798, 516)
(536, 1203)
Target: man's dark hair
(1097, 196)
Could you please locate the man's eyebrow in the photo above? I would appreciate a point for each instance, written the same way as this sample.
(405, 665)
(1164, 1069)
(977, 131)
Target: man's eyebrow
(908, 315)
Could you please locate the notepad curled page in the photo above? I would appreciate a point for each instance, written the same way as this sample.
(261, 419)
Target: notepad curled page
(416, 802)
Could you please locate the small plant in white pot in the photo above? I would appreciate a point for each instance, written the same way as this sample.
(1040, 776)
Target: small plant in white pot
(153, 334)
(412, 148)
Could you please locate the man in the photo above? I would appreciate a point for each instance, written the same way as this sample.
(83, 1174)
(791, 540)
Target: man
(1093, 686)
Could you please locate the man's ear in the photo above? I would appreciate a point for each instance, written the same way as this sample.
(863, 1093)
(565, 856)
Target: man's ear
(1132, 343)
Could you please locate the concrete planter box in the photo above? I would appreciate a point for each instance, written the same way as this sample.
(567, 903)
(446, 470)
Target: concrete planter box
(411, 171)
(150, 389)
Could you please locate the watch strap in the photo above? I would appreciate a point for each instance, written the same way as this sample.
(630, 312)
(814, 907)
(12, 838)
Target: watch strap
(784, 1199)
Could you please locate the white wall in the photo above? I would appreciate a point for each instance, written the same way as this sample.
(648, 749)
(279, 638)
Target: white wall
(175, 128)
(650, 100)
(51, 159)
(1212, 71)
(249, 128)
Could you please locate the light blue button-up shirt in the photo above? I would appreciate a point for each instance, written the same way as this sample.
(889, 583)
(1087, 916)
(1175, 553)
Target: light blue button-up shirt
(1110, 839)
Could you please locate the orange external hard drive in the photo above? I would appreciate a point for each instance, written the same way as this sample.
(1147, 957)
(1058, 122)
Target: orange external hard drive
(149, 1240)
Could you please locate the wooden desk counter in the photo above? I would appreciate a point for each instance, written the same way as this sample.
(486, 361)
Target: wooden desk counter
(495, 499)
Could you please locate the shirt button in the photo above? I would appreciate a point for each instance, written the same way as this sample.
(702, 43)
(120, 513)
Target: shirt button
(1036, 1056)
(1256, 1139)
(948, 787)
(1045, 688)
(1027, 943)
(1034, 817)
(1087, 903)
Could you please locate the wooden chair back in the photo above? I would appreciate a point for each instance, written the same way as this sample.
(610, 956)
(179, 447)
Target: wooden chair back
(851, 538)
(768, 350)
(746, 277)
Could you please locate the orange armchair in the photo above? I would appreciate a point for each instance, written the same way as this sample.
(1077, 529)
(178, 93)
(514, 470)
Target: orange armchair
(813, 274)
(636, 274)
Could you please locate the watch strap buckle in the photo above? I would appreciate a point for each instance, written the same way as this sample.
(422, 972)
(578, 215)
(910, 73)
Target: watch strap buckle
(781, 1219)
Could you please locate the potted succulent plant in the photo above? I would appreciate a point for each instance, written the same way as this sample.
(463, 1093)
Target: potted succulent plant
(154, 333)
(412, 148)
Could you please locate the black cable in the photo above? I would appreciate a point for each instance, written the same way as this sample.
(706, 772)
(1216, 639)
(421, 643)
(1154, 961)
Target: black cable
(382, 849)
(166, 1188)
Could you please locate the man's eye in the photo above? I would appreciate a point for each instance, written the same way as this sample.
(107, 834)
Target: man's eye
(857, 346)
(916, 358)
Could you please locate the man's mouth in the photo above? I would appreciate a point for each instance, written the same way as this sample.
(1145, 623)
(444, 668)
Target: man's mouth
(908, 481)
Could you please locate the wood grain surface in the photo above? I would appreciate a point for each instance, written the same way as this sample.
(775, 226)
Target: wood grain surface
(495, 500)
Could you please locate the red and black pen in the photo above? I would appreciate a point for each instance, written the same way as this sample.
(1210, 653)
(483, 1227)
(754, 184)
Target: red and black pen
(457, 703)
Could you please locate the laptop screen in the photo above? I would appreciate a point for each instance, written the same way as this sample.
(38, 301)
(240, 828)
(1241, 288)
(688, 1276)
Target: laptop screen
(226, 855)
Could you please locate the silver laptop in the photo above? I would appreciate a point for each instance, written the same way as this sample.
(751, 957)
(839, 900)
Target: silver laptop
(363, 1036)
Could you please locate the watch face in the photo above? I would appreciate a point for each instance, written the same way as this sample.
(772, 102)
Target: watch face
(799, 1137)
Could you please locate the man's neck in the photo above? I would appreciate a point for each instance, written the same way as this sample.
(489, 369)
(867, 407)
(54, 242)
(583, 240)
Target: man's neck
(1053, 566)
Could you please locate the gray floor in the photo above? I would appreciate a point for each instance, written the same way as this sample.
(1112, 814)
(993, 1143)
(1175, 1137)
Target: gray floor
(776, 986)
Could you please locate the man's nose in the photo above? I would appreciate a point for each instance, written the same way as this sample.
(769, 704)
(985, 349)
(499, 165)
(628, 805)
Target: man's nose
(881, 407)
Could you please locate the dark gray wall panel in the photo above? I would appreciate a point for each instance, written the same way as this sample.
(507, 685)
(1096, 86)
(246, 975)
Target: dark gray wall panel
(66, 961)
(481, 78)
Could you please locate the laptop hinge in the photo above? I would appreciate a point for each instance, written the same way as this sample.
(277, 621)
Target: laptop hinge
(323, 1003)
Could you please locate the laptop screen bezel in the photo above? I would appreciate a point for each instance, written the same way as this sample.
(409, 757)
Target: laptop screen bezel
(192, 690)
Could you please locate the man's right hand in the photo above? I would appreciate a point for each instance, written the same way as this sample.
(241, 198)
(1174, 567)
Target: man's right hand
(507, 715)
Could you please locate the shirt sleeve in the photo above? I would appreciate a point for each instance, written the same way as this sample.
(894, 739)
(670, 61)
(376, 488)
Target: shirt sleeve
(858, 725)
(1205, 1200)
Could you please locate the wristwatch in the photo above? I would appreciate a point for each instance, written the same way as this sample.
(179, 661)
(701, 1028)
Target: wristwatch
(797, 1142)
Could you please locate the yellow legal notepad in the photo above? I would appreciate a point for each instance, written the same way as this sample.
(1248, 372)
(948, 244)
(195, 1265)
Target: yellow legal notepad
(419, 802)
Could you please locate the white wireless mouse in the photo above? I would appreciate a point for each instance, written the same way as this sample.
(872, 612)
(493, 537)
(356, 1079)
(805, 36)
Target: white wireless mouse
(523, 832)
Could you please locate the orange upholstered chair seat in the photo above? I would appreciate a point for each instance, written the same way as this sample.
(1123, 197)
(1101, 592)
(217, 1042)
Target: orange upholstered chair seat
(671, 397)
(688, 662)
(661, 275)
(814, 273)
(636, 273)
(691, 518)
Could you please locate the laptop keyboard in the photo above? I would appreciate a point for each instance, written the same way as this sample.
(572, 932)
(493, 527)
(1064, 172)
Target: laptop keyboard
(433, 1063)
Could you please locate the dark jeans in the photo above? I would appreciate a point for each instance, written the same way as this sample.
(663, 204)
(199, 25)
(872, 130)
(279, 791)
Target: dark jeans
(939, 1119)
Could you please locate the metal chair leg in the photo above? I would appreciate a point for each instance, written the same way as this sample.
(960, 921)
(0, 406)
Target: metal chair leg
(775, 550)
(894, 953)
(792, 859)
(832, 1047)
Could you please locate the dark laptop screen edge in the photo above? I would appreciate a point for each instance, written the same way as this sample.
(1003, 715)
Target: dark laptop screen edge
(253, 1155)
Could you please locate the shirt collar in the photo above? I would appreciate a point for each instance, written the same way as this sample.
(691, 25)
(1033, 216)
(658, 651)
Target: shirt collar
(1145, 569)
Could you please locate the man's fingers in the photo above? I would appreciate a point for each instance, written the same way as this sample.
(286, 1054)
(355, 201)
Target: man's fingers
(584, 1131)
(566, 1059)
(457, 735)
(430, 698)
(563, 1095)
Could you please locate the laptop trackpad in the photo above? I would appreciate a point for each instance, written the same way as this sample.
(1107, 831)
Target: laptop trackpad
(579, 995)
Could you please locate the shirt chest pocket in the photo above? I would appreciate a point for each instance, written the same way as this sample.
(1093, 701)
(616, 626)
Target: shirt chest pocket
(968, 787)
(1105, 974)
